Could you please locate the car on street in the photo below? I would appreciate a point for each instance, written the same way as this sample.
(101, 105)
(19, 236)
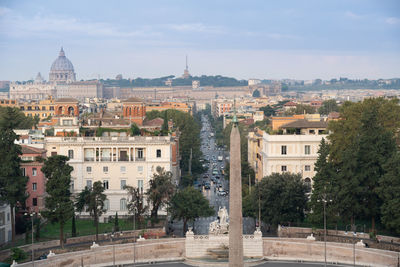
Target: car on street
(207, 185)
(222, 193)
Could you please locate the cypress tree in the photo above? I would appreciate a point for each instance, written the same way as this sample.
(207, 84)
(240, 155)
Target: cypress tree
(73, 232)
(116, 224)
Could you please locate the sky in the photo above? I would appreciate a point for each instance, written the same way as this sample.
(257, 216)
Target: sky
(265, 39)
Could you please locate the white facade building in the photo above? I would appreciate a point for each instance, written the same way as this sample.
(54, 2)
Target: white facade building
(116, 161)
(291, 153)
(5, 223)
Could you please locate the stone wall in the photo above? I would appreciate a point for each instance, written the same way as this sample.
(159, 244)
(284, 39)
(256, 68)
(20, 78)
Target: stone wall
(141, 252)
(197, 246)
(301, 249)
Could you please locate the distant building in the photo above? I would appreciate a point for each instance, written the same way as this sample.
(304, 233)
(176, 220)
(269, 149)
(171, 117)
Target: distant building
(32, 168)
(80, 90)
(62, 69)
(42, 108)
(134, 109)
(186, 73)
(195, 84)
(254, 82)
(118, 77)
(32, 91)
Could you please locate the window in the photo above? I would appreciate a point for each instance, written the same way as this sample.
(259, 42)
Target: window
(89, 183)
(23, 171)
(34, 186)
(34, 201)
(123, 184)
(158, 153)
(105, 184)
(88, 169)
(122, 204)
(140, 186)
(71, 186)
(105, 169)
(123, 169)
(106, 204)
(283, 168)
(34, 171)
(283, 150)
(307, 149)
(307, 168)
(70, 154)
(140, 168)
(8, 217)
(140, 153)
(53, 153)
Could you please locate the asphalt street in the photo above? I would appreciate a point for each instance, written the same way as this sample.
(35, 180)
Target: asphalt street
(212, 183)
(266, 264)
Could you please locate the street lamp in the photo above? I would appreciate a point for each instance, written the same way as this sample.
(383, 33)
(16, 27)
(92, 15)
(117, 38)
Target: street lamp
(33, 250)
(354, 229)
(324, 201)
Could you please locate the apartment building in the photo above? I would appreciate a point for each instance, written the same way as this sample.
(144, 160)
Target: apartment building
(116, 161)
(291, 153)
(254, 152)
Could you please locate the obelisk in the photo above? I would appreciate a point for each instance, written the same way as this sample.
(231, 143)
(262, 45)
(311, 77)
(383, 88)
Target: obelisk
(235, 200)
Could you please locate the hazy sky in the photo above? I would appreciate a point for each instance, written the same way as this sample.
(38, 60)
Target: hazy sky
(243, 39)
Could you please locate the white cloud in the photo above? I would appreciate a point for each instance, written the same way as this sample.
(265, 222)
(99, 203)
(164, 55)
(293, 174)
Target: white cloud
(4, 11)
(40, 25)
(392, 20)
(195, 27)
(353, 15)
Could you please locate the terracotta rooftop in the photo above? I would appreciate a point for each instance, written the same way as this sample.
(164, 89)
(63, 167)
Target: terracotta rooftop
(154, 122)
(134, 100)
(305, 124)
(334, 115)
(67, 100)
(290, 104)
(31, 150)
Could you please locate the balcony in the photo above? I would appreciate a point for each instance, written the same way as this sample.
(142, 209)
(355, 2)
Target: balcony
(140, 159)
(123, 159)
(105, 159)
(89, 158)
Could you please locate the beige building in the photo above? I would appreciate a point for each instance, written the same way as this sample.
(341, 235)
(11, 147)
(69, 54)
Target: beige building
(32, 91)
(291, 153)
(254, 152)
(80, 90)
(116, 161)
(5, 223)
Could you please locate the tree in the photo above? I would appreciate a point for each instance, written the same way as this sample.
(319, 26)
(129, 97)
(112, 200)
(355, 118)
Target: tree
(164, 127)
(389, 192)
(92, 200)
(135, 130)
(160, 191)
(301, 109)
(116, 223)
(136, 204)
(268, 111)
(73, 230)
(58, 203)
(324, 187)
(189, 204)
(12, 182)
(328, 106)
(14, 118)
(283, 198)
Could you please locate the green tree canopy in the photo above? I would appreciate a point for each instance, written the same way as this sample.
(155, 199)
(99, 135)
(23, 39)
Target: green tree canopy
(92, 200)
(283, 198)
(389, 192)
(136, 204)
(328, 106)
(12, 182)
(268, 111)
(160, 191)
(58, 203)
(189, 204)
(15, 119)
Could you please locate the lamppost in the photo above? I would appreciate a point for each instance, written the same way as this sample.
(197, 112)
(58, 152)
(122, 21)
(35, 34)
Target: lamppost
(324, 201)
(134, 236)
(31, 214)
(354, 229)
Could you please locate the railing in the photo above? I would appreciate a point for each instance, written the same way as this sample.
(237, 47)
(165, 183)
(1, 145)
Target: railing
(123, 159)
(89, 158)
(140, 159)
(105, 159)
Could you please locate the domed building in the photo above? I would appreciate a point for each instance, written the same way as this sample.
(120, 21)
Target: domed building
(62, 69)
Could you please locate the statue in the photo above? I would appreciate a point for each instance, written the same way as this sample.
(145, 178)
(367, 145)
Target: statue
(220, 226)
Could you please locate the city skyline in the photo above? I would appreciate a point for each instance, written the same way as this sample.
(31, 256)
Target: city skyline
(354, 39)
